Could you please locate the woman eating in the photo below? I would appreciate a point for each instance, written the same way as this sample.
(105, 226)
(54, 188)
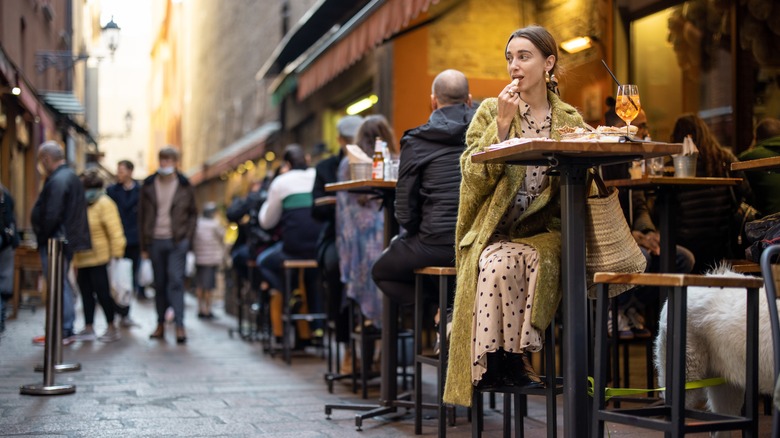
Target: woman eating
(508, 231)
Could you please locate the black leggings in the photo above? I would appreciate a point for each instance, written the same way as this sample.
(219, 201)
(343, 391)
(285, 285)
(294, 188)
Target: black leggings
(93, 281)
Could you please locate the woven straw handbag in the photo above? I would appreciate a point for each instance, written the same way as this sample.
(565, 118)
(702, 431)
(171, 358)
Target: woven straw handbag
(609, 245)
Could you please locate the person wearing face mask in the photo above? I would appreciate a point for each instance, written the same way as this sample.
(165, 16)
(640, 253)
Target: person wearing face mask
(507, 236)
(60, 212)
(167, 214)
(108, 241)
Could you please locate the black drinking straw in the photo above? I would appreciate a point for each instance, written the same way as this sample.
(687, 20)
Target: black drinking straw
(610, 73)
(617, 82)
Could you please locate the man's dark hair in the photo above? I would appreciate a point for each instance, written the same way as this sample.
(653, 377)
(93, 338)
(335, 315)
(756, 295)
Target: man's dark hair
(767, 128)
(293, 154)
(127, 164)
(451, 87)
(169, 152)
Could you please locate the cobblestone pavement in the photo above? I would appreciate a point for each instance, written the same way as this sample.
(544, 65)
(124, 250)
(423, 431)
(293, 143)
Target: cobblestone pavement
(212, 386)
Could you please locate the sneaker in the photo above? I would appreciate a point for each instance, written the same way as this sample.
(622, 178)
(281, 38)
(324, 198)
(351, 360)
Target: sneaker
(127, 322)
(637, 323)
(111, 335)
(86, 335)
(66, 340)
(624, 331)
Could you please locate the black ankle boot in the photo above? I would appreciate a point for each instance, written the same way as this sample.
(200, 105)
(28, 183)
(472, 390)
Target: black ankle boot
(520, 372)
(493, 374)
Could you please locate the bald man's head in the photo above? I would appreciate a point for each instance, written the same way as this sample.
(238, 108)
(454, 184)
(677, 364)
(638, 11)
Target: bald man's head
(451, 87)
(50, 156)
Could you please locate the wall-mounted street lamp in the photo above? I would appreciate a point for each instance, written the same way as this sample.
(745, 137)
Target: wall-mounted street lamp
(65, 60)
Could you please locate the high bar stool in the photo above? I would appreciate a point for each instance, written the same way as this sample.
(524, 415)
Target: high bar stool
(244, 304)
(288, 318)
(439, 361)
(673, 413)
(553, 386)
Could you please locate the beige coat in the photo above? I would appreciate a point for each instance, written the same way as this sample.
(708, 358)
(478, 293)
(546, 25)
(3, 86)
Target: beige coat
(106, 232)
(485, 195)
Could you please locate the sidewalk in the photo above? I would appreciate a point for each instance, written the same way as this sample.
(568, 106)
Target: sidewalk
(212, 386)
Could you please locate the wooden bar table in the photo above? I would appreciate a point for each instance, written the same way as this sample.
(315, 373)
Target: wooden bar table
(572, 161)
(666, 186)
(389, 401)
(768, 164)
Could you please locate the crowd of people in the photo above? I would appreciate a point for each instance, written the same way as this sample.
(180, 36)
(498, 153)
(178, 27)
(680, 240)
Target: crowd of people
(498, 224)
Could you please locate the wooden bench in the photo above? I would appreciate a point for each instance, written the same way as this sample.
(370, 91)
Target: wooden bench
(670, 418)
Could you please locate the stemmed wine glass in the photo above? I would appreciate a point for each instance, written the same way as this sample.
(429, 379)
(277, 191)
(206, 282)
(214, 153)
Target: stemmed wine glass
(627, 105)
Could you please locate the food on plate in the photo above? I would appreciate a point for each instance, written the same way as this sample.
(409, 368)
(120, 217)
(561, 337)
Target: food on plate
(605, 134)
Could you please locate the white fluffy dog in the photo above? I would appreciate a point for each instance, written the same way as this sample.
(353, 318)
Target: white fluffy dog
(716, 346)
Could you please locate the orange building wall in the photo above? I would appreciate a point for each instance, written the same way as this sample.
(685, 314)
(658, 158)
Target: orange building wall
(412, 88)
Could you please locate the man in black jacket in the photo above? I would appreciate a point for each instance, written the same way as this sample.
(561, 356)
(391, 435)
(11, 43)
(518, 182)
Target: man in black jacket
(426, 203)
(125, 194)
(60, 212)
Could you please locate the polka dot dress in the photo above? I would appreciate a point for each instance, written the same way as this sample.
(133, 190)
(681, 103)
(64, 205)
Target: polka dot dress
(508, 273)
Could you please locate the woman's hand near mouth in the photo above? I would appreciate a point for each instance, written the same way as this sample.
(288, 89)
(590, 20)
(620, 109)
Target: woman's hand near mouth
(508, 102)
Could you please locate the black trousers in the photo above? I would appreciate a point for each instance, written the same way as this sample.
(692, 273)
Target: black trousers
(93, 282)
(393, 272)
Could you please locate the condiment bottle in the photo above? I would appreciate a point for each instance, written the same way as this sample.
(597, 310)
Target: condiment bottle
(378, 168)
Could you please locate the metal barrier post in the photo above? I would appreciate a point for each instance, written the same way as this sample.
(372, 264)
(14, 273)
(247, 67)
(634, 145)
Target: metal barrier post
(54, 277)
(58, 365)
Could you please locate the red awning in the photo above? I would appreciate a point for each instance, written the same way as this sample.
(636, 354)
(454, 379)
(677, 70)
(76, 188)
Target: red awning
(249, 147)
(368, 34)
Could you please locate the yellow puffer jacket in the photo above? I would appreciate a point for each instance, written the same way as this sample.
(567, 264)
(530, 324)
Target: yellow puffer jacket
(106, 232)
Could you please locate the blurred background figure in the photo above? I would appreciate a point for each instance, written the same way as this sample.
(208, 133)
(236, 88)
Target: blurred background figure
(765, 185)
(610, 117)
(289, 205)
(60, 212)
(125, 194)
(327, 254)
(704, 215)
(108, 241)
(252, 238)
(9, 240)
(360, 230)
(209, 249)
(167, 215)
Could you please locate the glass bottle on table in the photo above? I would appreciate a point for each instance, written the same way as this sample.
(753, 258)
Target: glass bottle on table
(378, 167)
(627, 104)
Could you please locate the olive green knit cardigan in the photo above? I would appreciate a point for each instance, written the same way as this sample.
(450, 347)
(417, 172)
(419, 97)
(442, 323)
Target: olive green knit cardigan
(486, 192)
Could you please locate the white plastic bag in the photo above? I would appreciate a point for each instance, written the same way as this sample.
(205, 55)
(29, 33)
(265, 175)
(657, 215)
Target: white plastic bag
(120, 276)
(189, 266)
(146, 273)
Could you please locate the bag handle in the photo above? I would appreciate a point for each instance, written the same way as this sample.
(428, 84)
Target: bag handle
(593, 177)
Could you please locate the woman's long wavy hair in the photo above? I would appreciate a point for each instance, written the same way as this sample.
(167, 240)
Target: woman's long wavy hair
(715, 158)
